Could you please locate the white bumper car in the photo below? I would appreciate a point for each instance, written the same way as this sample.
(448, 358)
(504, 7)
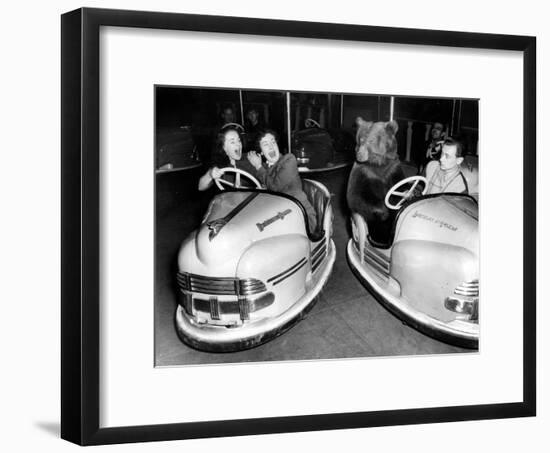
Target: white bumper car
(251, 270)
(428, 275)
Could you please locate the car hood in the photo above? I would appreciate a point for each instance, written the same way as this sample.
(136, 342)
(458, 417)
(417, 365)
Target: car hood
(447, 219)
(232, 223)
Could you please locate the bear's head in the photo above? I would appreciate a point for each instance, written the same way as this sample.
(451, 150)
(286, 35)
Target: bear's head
(376, 142)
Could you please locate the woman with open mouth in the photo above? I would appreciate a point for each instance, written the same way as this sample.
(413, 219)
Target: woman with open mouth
(227, 153)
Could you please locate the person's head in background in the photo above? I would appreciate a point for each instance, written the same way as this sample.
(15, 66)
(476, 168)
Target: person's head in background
(451, 154)
(253, 116)
(437, 132)
(228, 116)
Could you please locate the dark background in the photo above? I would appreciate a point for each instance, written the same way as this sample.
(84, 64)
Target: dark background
(200, 109)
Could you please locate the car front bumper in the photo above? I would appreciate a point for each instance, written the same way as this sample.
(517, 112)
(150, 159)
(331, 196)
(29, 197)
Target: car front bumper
(214, 338)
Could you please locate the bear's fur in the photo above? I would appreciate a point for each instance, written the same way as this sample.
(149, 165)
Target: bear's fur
(375, 171)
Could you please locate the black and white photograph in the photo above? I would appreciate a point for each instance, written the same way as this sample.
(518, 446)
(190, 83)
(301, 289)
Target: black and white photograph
(296, 225)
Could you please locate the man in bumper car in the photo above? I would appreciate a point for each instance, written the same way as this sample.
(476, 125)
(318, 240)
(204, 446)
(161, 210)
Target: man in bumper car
(445, 175)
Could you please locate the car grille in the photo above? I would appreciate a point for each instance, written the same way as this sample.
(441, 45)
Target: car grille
(317, 255)
(219, 286)
(468, 289)
(375, 259)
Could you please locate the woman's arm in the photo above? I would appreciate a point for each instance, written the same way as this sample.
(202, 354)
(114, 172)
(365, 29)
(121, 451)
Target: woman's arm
(206, 180)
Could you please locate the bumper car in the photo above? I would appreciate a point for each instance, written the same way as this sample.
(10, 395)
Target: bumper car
(318, 149)
(428, 276)
(176, 149)
(252, 269)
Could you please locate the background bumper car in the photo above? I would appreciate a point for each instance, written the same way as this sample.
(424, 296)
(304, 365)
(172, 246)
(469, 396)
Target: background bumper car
(175, 149)
(318, 149)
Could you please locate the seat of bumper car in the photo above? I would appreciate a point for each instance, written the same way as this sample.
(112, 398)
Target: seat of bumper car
(319, 200)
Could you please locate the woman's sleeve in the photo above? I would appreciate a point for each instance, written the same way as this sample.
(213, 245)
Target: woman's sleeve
(288, 172)
(261, 174)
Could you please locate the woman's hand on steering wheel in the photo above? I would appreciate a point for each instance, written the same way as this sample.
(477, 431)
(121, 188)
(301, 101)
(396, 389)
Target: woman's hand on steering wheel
(215, 173)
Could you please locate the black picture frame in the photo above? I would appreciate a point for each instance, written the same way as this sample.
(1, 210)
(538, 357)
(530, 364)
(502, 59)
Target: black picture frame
(80, 263)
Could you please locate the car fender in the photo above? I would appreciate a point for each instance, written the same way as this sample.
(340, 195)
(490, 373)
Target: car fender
(429, 271)
(282, 263)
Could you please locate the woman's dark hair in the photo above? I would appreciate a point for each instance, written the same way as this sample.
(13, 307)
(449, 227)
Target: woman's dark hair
(219, 157)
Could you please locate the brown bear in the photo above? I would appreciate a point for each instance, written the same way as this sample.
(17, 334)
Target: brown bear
(376, 169)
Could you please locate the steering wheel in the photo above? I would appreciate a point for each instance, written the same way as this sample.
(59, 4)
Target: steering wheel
(407, 193)
(221, 182)
(310, 122)
(234, 125)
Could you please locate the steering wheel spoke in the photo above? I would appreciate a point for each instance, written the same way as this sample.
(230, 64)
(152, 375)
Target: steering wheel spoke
(226, 183)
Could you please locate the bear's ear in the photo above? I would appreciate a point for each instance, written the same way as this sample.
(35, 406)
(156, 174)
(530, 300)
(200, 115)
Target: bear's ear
(392, 126)
(361, 123)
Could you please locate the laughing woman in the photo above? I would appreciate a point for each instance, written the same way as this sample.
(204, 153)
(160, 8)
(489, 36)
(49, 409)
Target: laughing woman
(227, 153)
(281, 172)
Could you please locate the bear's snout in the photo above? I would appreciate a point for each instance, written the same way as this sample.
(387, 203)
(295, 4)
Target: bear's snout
(361, 153)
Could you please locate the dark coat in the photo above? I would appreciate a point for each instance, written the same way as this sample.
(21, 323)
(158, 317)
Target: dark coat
(367, 188)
